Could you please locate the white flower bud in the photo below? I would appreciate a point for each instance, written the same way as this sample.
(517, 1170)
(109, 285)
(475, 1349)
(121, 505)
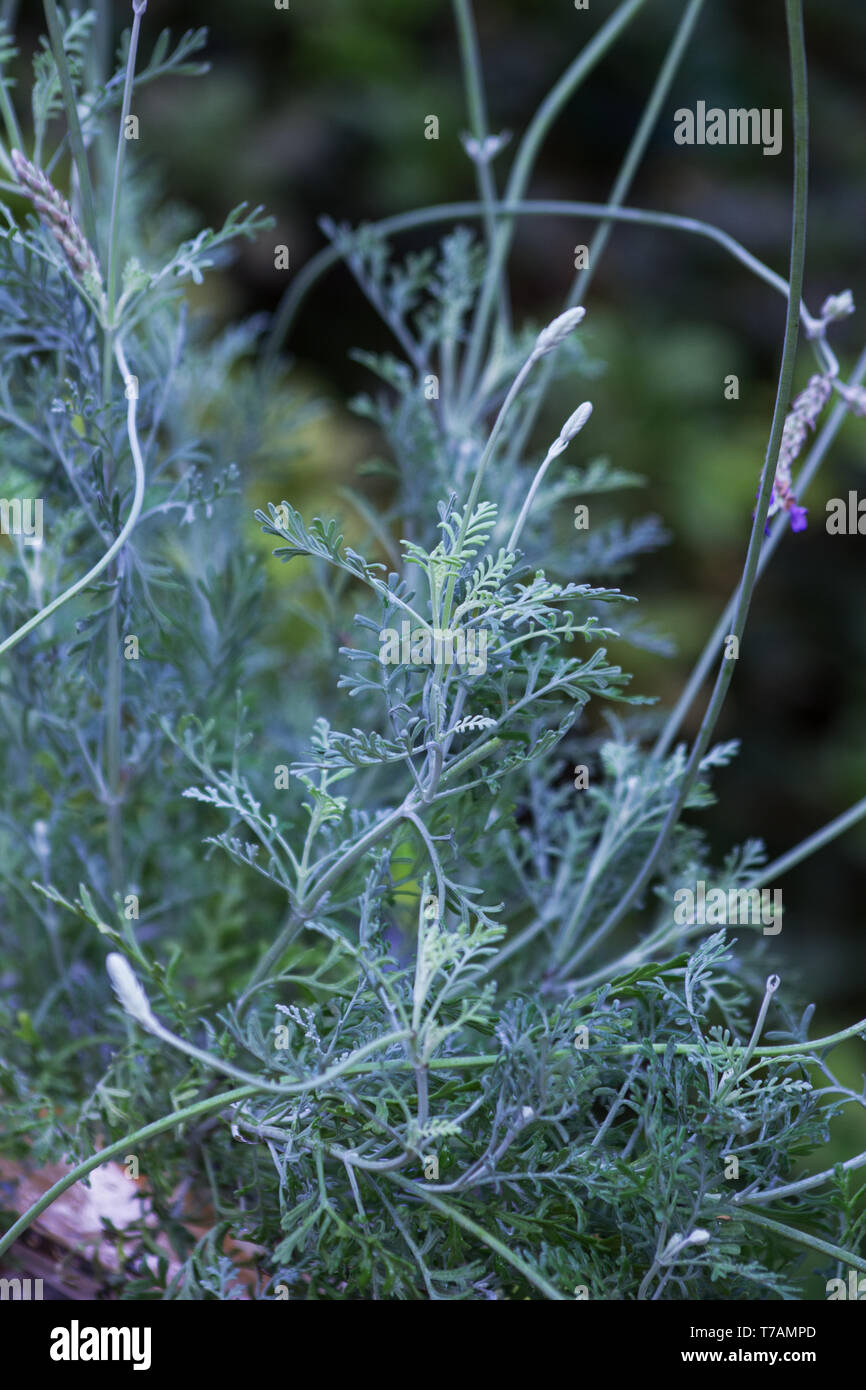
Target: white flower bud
(573, 425)
(130, 991)
(676, 1244)
(575, 422)
(551, 336)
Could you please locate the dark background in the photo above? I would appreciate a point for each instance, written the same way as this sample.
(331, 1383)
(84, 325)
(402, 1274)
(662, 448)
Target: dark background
(320, 109)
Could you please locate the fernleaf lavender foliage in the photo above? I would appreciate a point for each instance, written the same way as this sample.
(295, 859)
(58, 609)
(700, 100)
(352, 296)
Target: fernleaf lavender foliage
(461, 1082)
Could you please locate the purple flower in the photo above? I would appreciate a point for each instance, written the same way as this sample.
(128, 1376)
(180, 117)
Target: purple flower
(798, 518)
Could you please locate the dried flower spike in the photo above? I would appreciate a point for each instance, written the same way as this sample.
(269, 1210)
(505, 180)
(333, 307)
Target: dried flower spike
(801, 418)
(56, 212)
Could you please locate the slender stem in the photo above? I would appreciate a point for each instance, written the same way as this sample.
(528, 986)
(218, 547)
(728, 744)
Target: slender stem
(122, 1146)
(802, 1238)
(521, 171)
(139, 7)
(473, 83)
(10, 121)
(791, 1189)
(448, 212)
(113, 658)
(809, 845)
(530, 496)
(639, 142)
(793, 10)
(498, 1246)
(742, 1062)
(622, 184)
(315, 893)
(14, 638)
(512, 395)
(780, 529)
(280, 1088)
(855, 1030)
(113, 716)
(76, 139)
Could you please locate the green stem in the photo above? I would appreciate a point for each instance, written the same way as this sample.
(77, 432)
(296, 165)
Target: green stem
(120, 541)
(113, 738)
(280, 1088)
(498, 1246)
(305, 904)
(737, 1072)
(122, 1146)
(802, 1238)
(139, 7)
(513, 392)
(521, 171)
(448, 212)
(809, 845)
(780, 529)
(76, 139)
(776, 1050)
(473, 83)
(622, 184)
(791, 1189)
(793, 9)
(10, 122)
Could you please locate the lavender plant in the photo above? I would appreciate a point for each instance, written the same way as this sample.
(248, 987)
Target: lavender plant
(475, 1050)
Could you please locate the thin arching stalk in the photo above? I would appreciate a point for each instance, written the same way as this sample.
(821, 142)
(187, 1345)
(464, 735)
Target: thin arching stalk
(793, 10)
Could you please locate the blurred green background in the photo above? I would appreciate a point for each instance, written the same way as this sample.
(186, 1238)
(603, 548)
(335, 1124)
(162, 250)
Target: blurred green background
(320, 109)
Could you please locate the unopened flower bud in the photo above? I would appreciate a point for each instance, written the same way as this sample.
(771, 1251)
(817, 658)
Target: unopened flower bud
(677, 1244)
(130, 991)
(551, 336)
(573, 425)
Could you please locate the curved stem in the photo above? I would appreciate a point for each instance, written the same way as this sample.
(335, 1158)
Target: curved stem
(448, 212)
(498, 1246)
(793, 10)
(622, 184)
(81, 1170)
(138, 498)
(521, 171)
(282, 1088)
(513, 392)
(780, 529)
(113, 661)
